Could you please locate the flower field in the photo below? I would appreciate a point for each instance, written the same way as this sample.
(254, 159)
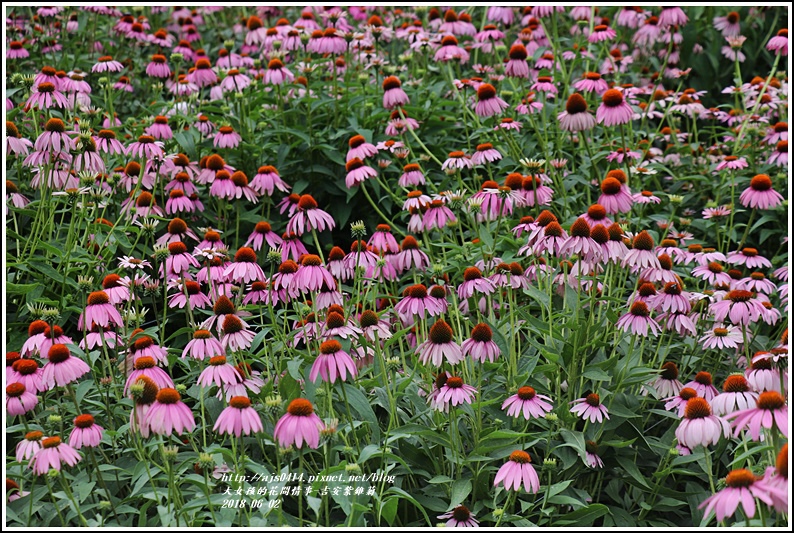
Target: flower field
(396, 266)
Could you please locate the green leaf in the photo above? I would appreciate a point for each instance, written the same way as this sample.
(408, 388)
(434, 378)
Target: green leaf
(388, 510)
(631, 469)
(461, 488)
(583, 517)
(360, 404)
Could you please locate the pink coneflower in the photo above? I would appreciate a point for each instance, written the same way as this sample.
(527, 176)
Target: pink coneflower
(374, 328)
(178, 203)
(291, 246)
(480, 346)
(202, 345)
(485, 154)
(613, 110)
(308, 217)
(86, 433)
(437, 216)
(722, 337)
(53, 138)
(756, 282)
(168, 414)
(393, 94)
(591, 455)
(263, 233)
(516, 66)
(546, 85)
(736, 396)
(488, 104)
(672, 16)
(411, 256)
(49, 337)
(146, 148)
(116, 290)
(106, 142)
(671, 299)
(646, 197)
(412, 176)
(716, 212)
(517, 471)
(16, 50)
(239, 418)
(160, 128)
(204, 125)
(226, 138)
(358, 172)
(336, 326)
(236, 335)
(234, 81)
(27, 447)
(310, 276)
(219, 373)
(298, 425)
(770, 409)
(45, 95)
(147, 366)
(16, 144)
(699, 426)
(760, 194)
(332, 363)
(712, 272)
(416, 303)
(277, 73)
(454, 392)
(267, 180)
(590, 408)
(527, 402)
(596, 214)
(534, 192)
(740, 307)
(197, 299)
(245, 268)
(440, 346)
(741, 487)
(19, 400)
(360, 148)
(728, 25)
(178, 262)
(641, 254)
(457, 160)
(580, 243)
(460, 516)
(62, 368)
(761, 375)
(680, 400)
(157, 67)
(107, 64)
(474, 282)
(27, 372)
(732, 162)
(601, 33)
(638, 321)
(575, 118)
(703, 386)
(591, 82)
(748, 257)
(53, 452)
(779, 43)
(615, 197)
(203, 75)
(666, 383)
(450, 51)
